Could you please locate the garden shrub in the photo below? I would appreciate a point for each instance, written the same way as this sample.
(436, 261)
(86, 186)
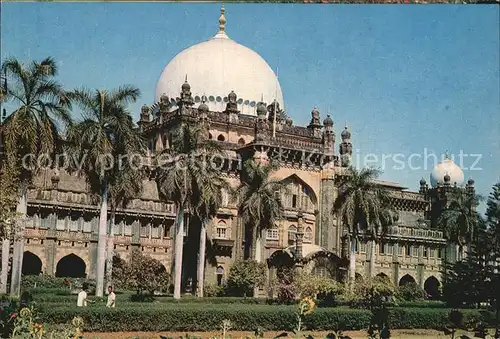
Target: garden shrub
(212, 290)
(291, 285)
(44, 281)
(244, 276)
(410, 292)
(55, 284)
(8, 306)
(141, 273)
(371, 293)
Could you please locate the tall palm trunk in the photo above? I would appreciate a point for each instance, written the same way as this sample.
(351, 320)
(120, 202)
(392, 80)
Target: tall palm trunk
(255, 249)
(101, 242)
(257, 253)
(179, 244)
(17, 257)
(372, 257)
(201, 258)
(110, 250)
(5, 265)
(352, 263)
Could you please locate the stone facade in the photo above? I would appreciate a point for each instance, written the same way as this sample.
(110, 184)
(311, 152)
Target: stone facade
(62, 231)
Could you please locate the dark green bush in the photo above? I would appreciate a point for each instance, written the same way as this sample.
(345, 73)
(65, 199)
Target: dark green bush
(410, 292)
(48, 282)
(142, 297)
(206, 317)
(8, 306)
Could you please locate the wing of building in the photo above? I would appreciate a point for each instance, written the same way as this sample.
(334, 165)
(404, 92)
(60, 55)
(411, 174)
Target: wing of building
(237, 93)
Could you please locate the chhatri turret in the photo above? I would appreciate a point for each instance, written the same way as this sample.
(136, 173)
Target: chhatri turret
(345, 147)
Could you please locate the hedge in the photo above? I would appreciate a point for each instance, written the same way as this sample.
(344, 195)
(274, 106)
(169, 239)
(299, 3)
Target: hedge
(65, 296)
(202, 317)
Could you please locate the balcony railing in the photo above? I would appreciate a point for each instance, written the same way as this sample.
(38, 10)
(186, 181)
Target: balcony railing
(403, 231)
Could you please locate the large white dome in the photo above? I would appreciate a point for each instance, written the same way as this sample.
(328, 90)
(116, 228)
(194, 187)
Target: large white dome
(447, 167)
(216, 67)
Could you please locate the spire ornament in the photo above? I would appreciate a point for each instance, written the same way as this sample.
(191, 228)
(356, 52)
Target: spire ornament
(222, 19)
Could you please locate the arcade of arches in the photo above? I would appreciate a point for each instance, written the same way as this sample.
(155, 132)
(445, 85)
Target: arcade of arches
(71, 266)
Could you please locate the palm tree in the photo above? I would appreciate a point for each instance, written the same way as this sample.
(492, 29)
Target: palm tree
(179, 176)
(362, 206)
(260, 204)
(207, 203)
(8, 201)
(459, 221)
(126, 185)
(32, 132)
(105, 141)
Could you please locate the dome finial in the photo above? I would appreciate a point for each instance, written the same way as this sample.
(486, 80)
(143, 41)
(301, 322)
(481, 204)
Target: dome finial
(222, 19)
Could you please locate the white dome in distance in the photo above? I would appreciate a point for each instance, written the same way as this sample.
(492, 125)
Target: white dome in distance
(447, 167)
(216, 67)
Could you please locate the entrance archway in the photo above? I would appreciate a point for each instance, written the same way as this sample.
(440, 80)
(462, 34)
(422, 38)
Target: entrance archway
(32, 265)
(406, 279)
(71, 266)
(431, 287)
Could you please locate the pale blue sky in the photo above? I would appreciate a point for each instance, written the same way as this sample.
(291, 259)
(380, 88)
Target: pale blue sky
(406, 78)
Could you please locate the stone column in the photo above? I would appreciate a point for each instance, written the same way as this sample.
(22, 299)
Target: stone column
(420, 266)
(299, 237)
(327, 226)
(50, 253)
(395, 264)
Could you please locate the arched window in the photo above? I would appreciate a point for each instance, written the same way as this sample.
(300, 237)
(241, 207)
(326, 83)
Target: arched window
(221, 231)
(241, 141)
(221, 137)
(292, 233)
(308, 235)
(210, 136)
(220, 275)
(273, 233)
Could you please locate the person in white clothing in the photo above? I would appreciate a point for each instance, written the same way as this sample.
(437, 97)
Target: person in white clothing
(82, 297)
(111, 297)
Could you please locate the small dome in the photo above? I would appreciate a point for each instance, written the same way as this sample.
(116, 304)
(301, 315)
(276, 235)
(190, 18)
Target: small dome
(422, 182)
(328, 121)
(345, 133)
(145, 108)
(164, 98)
(186, 86)
(203, 107)
(470, 182)
(447, 168)
(261, 109)
(232, 96)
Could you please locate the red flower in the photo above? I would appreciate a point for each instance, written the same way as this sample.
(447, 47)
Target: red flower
(13, 316)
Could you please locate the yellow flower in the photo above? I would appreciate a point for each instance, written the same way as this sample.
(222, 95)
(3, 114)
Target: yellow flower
(25, 312)
(77, 321)
(307, 306)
